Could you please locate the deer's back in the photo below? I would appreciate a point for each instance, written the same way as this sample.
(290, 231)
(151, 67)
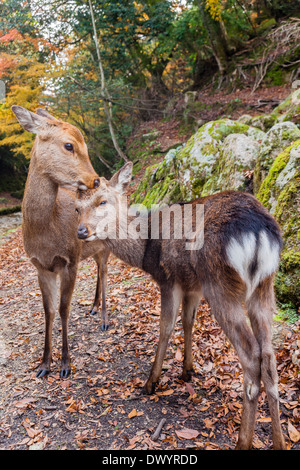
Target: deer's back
(238, 232)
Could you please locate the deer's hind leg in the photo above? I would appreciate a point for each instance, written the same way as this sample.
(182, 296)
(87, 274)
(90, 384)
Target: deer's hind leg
(232, 319)
(261, 307)
(101, 259)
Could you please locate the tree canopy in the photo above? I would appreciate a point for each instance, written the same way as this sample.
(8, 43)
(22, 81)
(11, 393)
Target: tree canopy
(150, 50)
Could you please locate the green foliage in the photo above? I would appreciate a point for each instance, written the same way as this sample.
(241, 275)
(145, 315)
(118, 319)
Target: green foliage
(287, 313)
(150, 49)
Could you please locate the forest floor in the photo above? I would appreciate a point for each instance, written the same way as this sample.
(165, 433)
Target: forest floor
(101, 405)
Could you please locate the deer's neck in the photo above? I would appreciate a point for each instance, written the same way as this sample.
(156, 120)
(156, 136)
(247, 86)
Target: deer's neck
(129, 250)
(40, 196)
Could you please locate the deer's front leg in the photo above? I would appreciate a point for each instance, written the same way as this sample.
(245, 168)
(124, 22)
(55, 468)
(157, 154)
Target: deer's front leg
(189, 308)
(68, 277)
(170, 302)
(48, 286)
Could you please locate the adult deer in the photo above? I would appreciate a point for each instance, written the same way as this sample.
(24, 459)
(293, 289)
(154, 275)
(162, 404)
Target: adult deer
(235, 265)
(59, 162)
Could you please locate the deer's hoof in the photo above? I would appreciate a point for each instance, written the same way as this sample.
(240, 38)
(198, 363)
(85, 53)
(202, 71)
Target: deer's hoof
(104, 326)
(65, 372)
(149, 387)
(187, 375)
(42, 373)
(93, 312)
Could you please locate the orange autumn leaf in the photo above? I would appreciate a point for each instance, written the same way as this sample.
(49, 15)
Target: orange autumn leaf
(165, 393)
(132, 413)
(135, 413)
(265, 420)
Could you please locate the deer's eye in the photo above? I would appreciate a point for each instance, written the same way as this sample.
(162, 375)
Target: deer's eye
(102, 203)
(69, 147)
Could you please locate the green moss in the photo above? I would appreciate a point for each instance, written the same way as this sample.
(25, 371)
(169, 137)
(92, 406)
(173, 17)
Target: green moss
(10, 210)
(263, 121)
(283, 106)
(162, 192)
(280, 162)
(287, 313)
(224, 127)
(144, 186)
(280, 193)
(276, 76)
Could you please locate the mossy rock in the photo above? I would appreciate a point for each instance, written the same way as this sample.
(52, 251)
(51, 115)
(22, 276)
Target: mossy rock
(198, 162)
(280, 193)
(263, 121)
(287, 110)
(144, 186)
(185, 171)
(280, 136)
(237, 158)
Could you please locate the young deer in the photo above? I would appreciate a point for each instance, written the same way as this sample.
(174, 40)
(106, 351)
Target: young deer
(59, 162)
(234, 265)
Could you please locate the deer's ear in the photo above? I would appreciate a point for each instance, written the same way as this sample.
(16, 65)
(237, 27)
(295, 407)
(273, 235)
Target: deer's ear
(31, 122)
(44, 113)
(122, 178)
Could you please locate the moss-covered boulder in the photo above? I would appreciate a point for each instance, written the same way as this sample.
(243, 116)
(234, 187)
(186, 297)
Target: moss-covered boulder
(280, 193)
(202, 163)
(232, 170)
(280, 136)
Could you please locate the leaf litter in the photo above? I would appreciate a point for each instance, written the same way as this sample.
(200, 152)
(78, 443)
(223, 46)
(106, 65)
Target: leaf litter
(102, 405)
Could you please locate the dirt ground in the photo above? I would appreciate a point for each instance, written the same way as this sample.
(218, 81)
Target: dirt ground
(101, 405)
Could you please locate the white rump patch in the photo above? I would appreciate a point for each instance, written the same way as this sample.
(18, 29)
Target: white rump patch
(241, 254)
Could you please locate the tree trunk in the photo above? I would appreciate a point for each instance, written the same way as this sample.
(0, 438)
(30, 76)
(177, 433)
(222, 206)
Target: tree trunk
(104, 91)
(216, 38)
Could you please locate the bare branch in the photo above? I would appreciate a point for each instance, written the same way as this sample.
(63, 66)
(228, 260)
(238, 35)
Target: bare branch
(104, 91)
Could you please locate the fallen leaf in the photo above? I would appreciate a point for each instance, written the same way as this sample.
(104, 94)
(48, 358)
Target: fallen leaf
(165, 393)
(294, 434)
(209, 423)
(265, 420)
(102, 358)
(257, 443)
(186, 433)
(132, 413)
(84, 302)
(24, 403)
(178, 355)
(190, 389)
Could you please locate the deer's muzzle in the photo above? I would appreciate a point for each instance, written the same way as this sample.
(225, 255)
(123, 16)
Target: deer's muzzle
(82, 232)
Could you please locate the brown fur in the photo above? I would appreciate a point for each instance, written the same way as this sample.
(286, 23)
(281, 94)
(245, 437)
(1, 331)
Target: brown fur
(185, 276)
(50, 221)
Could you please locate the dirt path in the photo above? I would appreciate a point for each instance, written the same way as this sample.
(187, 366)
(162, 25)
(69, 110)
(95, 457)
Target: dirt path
(101, 406)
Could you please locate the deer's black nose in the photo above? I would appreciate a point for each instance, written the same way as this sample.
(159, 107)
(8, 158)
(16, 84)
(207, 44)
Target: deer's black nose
(82, 232)
(96, 183)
